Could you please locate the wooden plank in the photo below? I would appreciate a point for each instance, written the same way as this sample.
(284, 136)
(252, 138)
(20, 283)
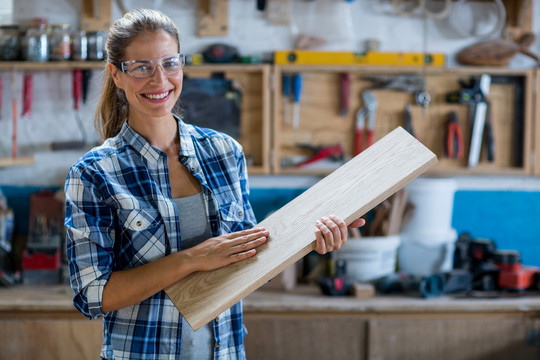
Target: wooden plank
(16, 161)
(349, 192)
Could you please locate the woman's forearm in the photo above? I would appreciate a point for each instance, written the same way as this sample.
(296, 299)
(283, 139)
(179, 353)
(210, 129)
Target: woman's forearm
(128, 287)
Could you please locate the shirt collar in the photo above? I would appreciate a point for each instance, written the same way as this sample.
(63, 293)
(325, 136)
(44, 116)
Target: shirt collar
(152, 154)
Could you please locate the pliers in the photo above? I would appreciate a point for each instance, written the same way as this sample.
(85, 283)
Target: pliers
(454, 139)
(333, 152)
(370, 111)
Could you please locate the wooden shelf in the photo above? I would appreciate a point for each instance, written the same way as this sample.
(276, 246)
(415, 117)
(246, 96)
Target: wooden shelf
(16, 161)
(322, 124)
(51, 65)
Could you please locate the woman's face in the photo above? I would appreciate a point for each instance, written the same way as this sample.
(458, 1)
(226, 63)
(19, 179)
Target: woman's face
(153, 96)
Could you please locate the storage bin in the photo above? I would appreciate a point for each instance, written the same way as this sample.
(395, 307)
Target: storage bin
(428, 252)
(433, 200)
(369, 258)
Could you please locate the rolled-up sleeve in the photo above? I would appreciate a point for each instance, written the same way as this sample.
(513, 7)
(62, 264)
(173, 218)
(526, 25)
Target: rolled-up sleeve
(249, 218)
(89, 241)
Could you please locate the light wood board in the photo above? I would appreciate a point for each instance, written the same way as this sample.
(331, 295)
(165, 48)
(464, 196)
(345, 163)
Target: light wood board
(349, 192)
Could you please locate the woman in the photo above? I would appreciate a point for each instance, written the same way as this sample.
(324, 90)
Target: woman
(159, 199)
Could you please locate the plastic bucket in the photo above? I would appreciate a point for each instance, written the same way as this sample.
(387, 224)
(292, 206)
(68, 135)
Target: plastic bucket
(433, 200)
(427, 252)
(369, 258)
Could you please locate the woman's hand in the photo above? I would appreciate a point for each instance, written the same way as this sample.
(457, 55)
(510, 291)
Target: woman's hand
(226, 249)
(331, 233)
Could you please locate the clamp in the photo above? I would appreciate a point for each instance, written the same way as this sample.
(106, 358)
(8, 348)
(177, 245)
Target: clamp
(333, 152)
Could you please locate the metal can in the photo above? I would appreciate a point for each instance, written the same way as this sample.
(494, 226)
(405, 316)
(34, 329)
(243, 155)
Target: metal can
(79, 45)
(60, 42)
(96, 45)
(9, 42)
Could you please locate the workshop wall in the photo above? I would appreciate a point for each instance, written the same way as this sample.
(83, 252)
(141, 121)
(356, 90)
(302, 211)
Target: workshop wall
(495, 213)
(343, 25)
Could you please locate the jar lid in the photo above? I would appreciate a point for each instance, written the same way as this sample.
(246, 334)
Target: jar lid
(61, 26)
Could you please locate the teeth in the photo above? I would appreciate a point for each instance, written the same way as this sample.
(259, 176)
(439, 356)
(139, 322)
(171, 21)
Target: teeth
(157, 97)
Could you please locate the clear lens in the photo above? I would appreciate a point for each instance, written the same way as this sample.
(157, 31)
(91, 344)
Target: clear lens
(146, 68)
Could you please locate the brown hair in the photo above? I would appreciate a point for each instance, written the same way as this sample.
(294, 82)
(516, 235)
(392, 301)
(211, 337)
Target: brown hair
(112, 109)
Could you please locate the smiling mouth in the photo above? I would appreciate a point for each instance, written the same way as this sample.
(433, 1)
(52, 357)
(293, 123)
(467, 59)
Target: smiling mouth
(157, 96)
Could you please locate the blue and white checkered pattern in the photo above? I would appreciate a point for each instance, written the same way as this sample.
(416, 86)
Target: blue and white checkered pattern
(119, 215)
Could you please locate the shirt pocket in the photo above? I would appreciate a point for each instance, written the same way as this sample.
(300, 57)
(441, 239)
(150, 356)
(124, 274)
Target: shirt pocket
(142, 235)
(232, 216)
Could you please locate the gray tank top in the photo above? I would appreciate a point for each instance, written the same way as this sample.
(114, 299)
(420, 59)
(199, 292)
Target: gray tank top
(194, 229)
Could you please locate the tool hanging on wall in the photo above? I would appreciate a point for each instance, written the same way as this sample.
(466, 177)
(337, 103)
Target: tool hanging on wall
(286, 82)
(453, 141)
(14, 116)
(345, 93)
(475, 95)
(297, 93)
(28, 84)
(407, 120)
(369, 112)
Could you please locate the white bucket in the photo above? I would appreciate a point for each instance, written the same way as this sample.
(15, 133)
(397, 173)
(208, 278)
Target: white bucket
(427, 252)
(369, 258)
(433, 200)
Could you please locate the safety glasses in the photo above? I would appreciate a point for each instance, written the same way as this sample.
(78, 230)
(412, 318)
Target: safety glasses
(171, 64)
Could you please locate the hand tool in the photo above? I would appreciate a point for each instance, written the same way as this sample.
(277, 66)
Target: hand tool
(407, 119)
(453, 138)
(490, 142)
(286, 82)
(411, 83)
(479, 120)
(297, 92)
(77, 88)
(315, 57)
(27, 94)
(333, 152)
(369, 111)
(474, 94)
(345, 92)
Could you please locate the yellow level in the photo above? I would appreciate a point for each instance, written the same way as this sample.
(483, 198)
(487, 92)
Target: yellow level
(314, 57)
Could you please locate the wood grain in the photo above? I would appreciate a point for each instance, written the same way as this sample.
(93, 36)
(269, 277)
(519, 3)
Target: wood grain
(349, 192)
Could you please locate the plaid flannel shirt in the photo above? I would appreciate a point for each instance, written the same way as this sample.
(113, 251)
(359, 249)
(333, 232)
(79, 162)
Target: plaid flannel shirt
(119, 215)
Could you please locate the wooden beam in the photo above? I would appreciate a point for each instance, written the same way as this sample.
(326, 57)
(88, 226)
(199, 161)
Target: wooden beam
(349, 192)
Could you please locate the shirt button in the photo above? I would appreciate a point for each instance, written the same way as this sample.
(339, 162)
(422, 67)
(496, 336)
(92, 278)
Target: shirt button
(139, 223)
(218, 346)
(217, 318)
(240, 213)
(183, 159)
(192, 169)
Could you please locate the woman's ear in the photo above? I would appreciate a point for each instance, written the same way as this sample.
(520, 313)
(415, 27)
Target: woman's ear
(115, 75)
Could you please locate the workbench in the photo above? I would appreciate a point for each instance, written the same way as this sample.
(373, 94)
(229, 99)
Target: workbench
(40, 322)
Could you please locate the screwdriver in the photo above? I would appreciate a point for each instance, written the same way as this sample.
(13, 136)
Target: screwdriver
(286, 80)
(345, 87)
(297, 91)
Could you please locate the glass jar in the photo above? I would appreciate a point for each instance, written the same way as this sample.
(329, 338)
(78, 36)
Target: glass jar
(96, 45)
(79, 45)
(36, 43)
(9, 42)
(60, 42)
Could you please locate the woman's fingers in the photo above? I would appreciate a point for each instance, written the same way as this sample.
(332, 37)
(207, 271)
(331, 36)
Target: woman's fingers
(321, 245)
(357, 223)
